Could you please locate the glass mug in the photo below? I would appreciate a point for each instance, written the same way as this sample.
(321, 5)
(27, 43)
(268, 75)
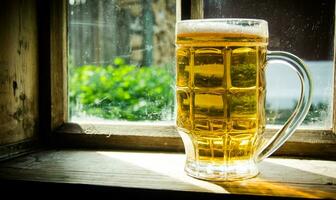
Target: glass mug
(220, 93)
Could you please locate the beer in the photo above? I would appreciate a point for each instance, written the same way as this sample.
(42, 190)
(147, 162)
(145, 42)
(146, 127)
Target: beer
(220, 94)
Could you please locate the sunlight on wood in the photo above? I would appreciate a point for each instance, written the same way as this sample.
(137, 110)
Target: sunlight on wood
(285, 184)
(265, 187)
(282, 177)
(171, 165)
(320, 167)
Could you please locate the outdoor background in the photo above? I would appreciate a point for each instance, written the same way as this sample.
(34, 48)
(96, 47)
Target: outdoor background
(122, 64)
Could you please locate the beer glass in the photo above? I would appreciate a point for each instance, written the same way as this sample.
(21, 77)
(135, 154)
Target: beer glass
(220, 93)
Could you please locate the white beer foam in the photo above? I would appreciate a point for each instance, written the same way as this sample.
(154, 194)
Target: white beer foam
(228, 25)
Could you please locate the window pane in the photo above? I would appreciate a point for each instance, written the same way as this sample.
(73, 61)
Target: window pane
(300, 27)
(121, 60)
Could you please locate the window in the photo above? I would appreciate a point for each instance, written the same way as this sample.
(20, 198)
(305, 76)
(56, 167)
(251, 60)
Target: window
(121, 60)
(94, 23)
(305, 29)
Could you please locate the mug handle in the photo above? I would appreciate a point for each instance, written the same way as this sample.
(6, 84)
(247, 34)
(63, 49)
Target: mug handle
(301, 108)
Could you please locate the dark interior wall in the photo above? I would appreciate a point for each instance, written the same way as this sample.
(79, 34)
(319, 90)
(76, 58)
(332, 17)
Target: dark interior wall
(305, 28)
(18, 71)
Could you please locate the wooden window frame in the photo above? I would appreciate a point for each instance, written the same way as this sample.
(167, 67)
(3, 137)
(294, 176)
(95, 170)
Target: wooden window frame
(139, 136)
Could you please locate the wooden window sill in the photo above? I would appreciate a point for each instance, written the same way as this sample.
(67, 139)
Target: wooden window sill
(310, 143)
(163, 172)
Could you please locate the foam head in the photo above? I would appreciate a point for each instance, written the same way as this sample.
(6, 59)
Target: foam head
(228, 25)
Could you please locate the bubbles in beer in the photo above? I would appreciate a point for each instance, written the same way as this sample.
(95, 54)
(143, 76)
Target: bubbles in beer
(231, 26)
(220, 91)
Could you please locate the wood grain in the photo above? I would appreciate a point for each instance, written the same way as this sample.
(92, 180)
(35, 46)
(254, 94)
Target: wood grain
(164, 137)
(59, 63)
(14, 150)
(178, 10)
(196, 9)
(164, 171)
(18, 71)
(334, 87)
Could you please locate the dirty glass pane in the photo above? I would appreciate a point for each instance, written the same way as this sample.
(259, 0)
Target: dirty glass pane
(304, 28)
(121, 60)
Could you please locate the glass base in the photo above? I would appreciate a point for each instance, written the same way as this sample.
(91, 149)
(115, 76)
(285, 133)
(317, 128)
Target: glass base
(239, 170)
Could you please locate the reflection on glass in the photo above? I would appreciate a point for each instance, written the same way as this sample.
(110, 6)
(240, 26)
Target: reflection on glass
(121, 60)
(121, 56)
(304, 29)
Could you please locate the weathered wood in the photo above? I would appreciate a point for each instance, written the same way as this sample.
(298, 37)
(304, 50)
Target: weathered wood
(11, 151)
(178, 10)
(18, 71)
(164, 137)
(119, 135)
(58, 56)
(197, 9)
(164, 171)
(334, 87)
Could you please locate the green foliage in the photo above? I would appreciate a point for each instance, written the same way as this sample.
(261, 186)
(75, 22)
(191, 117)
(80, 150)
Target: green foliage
(244, 75)
(127, 92)
(121, 91)
(317, 113)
